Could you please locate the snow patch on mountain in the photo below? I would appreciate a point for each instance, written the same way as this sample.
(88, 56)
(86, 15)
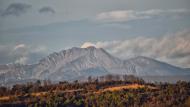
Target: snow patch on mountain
(76, 63)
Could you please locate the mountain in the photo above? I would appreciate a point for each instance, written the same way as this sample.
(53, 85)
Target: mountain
(187, 69)
(79, 63)
(144, 66)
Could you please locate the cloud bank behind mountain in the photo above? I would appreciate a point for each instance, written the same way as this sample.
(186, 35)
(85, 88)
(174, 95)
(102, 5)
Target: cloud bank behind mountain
(172, 48)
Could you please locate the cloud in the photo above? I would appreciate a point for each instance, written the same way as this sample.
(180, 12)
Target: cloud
(87, 44)
(21, 53)
(128, 15)
(19, 46)
(119, 16)
(16, 9)
(173, 48)
(22, 60)
(46, 9)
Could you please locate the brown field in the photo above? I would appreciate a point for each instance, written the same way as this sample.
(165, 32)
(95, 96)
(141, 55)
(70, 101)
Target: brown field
(114, 88)
(4, 98)
(117, 88)
(130, 86)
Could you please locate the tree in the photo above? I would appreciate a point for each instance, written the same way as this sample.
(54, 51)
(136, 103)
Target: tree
(89, 79)
(38, 82)
(125, 77)
(109, 77)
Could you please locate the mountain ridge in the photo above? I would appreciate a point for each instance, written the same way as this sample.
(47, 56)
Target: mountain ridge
(83, 62)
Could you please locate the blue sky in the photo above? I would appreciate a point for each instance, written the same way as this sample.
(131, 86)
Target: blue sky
(32, 29)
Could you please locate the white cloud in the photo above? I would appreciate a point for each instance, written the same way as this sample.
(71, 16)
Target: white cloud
(173, 48)
(87, 44)
(127, 15)
(19, 46)
(22, 60)
(118, 16)
(21, 53)
(39, 49)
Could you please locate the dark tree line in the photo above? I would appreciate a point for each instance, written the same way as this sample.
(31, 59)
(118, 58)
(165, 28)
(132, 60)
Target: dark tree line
(81, 94)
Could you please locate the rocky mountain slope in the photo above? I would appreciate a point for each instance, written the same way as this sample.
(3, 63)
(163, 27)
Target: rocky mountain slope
(77, 63)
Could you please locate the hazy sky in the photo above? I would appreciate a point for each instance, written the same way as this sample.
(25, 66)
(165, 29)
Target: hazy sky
(32, 29)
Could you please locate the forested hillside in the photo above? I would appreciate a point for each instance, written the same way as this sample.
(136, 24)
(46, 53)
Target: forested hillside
(104, 91)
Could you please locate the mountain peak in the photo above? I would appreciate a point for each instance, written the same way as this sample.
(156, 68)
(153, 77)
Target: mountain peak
(88, 44)
(76, 63)
(91, 47)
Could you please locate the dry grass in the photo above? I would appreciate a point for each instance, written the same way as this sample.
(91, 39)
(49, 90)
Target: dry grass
(39, 94)
(132, 86)
(4, 98)
(187, 102)
(115, 88)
